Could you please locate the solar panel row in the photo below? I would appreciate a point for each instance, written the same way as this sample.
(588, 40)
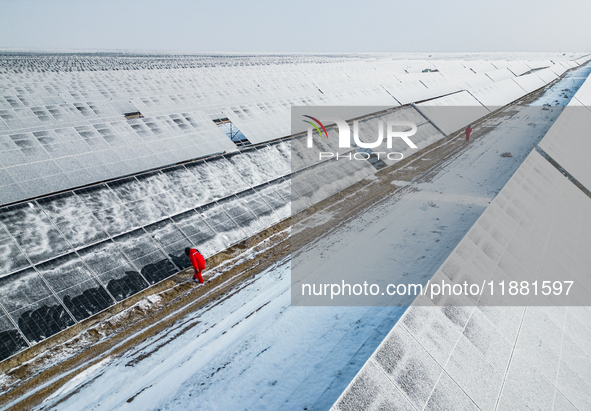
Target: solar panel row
(447, 338)
(536, 228)
(68, 256)
(72, 255)
(568, 142)
(65, 129)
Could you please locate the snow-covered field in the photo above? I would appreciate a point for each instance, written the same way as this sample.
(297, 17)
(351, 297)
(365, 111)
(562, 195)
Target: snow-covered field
(255, 351)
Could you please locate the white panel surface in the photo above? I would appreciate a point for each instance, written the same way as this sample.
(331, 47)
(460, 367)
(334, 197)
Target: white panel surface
(492, 357)
(500, 75)
(441, 85)
(518, 68)
(453, 112)
(547, 75)
(529, 82)
(568, 142)
(475, 80)
(583, 95)
(66, 126)
(538, 64)
(498, 94)
(409, 92)
(480, 66)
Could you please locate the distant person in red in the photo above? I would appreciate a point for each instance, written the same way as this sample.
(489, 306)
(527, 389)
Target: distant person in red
(197, 261)
(468, 132)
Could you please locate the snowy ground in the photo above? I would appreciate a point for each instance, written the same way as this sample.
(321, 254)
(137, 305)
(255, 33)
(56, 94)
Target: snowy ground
(255, 351)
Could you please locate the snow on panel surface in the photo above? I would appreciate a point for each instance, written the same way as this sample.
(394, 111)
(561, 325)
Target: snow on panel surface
(150, 217)
(12, 258)
(470, 79)
(318, 181)
(518, 68)
(439, 85)
(500, 75)
(34, 233)
(62, 119)
(547, 75)
(538, 64)
(113, 269)
(482, 356)
(69, 214)
(529, 82)
(558, 69)
(568, 142)
(508, 242)
(67, 130)
(26, 298)
(570, 63)
(583, 95)
(54, 159)
(498, 94)
(75, 286)
(145, 254)
(480, 66)
(453, 112)
(408, 92)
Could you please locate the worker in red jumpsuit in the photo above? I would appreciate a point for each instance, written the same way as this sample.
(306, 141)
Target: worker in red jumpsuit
(197, 261)
(468, 132)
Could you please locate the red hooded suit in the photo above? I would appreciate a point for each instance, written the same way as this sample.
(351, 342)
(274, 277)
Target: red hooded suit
(468, 132)
(198, 263)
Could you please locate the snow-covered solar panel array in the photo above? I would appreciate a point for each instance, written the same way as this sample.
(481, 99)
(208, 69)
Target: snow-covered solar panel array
(519, 68)
(67, 256)
(496, 95)
(508, 242)
(454, 112)
(560, 68)
(582, 96)
(546, 74)
(71, 255)
(486, 352)
(320, 179)
(529, 82)
(500, 75)
(62, 121)
(569, 141)
(476, 354)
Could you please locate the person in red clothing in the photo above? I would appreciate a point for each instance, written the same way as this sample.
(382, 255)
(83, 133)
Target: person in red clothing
(468, 132)
(197, 261)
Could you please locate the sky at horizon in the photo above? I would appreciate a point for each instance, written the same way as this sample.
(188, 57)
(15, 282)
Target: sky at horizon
(304, 26)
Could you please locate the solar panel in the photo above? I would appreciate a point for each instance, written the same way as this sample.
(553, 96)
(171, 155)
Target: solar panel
(529, 82)
(454, 112)
(506, 243)
(68, 256)
(80, 114)
(567, 142)
(498, 94)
